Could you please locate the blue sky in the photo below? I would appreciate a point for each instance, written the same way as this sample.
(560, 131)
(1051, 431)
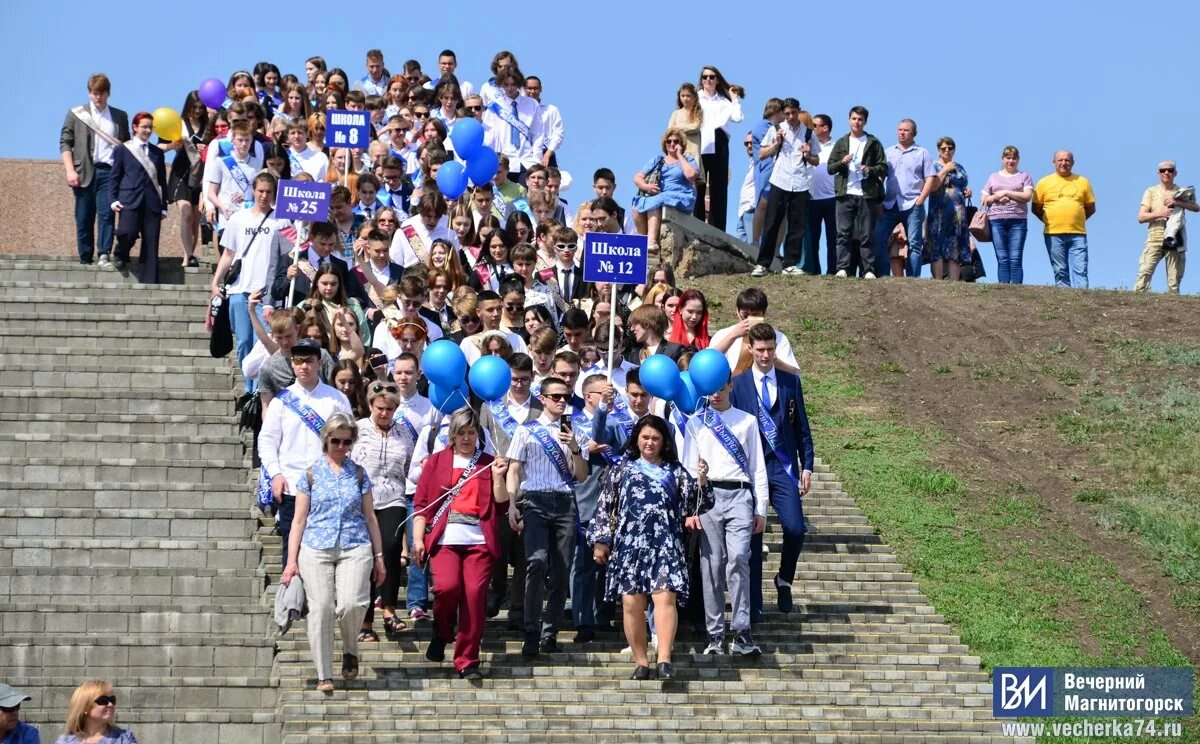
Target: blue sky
(1041, 76)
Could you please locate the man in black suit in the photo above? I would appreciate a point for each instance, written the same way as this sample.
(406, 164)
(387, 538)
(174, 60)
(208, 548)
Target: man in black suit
(648, 324)
(139, 180)
(90, 133)
(324, 237)
(776, 399)
(568, 276)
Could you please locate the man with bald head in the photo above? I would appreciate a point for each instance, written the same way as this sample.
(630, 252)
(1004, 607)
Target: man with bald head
(1064, 201)
(1159, 202)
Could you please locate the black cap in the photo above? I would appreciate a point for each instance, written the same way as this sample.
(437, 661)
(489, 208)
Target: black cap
(306, 347)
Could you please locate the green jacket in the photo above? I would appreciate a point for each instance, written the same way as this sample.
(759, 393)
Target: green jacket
(873, 157)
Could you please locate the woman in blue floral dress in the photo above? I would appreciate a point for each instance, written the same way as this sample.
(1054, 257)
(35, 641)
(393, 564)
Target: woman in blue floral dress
(947, 237)
(638, 532)
(668, 180)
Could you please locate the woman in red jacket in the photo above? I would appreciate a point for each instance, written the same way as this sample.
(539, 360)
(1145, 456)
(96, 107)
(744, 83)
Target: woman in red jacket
(455, 523)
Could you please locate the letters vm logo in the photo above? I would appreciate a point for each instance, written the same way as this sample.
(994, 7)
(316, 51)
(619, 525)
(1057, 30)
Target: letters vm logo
(1022, 692)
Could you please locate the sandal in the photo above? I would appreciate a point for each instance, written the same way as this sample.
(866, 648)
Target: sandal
(367, 635)
(349, 667)
(392, 625)
(325, 685)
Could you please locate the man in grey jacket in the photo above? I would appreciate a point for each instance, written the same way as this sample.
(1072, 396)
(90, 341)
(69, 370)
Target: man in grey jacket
(89, 134)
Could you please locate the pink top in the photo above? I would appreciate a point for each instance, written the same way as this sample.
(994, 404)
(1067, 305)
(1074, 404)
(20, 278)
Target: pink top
(1001, 181)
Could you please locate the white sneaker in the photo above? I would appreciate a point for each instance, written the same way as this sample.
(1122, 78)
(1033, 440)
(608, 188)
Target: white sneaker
(759, 271)
(793, 271)
(869, 275)
(841, 274)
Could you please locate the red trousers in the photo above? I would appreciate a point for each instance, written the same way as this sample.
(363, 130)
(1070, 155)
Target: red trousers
(460, 582)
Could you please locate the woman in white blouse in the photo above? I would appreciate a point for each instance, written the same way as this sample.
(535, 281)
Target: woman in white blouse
(721, 104)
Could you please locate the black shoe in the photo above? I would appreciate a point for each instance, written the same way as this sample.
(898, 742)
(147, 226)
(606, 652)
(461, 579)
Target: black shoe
(121, 264)
(585, 635)
(785, 595)
(665, 670)
(744, 644)
(471, 672)
(515, 622)
(85, 261)
(550, 645)
(530, 649)
(757, 617)
(493, 608)
(436, 650)
(641, 673)
(192, 263)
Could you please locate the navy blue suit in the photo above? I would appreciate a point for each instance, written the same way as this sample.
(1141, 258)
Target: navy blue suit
(796, 444)
(141, 207)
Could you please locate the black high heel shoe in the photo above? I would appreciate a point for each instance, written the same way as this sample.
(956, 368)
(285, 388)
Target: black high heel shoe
(665, 670)
(641, 673)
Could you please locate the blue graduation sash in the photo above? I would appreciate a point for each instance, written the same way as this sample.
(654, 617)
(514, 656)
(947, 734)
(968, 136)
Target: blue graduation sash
(771, 433)
(553, 451)
(400, 418)
(680, 418)
(580, 422)
(511, 120)
(502, 415)
(294, 159)
(717, 426)
(225, 146)
(239, 178)
(622, 415)
(663, 476)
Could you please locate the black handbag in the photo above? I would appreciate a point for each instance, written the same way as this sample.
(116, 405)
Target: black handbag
(220, 341)
(249, 408)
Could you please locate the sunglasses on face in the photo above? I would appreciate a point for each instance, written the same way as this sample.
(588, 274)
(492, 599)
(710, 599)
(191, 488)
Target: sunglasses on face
(470, 319)
(106, 700)
(381, 387)
(411, 303)
(708, 77)
(513, 307)
(474, 109)
(339, 442)
(556, 397)
(301, 360)
(421, 114)
(1166, 170)
(564, 247)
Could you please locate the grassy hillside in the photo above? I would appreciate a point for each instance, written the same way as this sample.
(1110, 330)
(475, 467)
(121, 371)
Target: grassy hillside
(1031, 453)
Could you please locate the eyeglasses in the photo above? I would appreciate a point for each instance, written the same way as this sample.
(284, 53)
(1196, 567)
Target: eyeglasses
(556, 397)
(339, 442)
(946, 148)
(301, 360)
(1166, 170)
(513, 306)
(522, 380)
(381, 387)
(708, 77)
(106, 700)
(474, 109)
(411, 303)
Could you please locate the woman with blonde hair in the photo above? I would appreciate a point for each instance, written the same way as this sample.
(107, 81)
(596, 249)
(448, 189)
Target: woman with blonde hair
(666, 181)
(688, 118)
(90, 716)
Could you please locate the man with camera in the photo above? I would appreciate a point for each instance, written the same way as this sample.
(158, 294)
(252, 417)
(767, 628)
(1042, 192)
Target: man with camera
(1165, 236)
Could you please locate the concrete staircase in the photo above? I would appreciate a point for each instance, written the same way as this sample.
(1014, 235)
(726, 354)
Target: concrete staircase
(128, 550)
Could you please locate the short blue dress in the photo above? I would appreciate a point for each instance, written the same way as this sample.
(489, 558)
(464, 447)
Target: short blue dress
(677, 191)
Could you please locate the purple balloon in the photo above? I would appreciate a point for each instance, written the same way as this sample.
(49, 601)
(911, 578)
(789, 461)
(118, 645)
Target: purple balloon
(212, 93)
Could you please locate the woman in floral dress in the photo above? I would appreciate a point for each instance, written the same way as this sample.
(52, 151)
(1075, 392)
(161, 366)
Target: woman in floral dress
(947, 235)
(647, 500)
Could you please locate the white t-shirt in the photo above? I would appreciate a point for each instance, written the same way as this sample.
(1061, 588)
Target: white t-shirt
(822, 180)
(313, 162)
(858, 145)
(472, 352)
(464, 534)
(259, 256)
(783, 347)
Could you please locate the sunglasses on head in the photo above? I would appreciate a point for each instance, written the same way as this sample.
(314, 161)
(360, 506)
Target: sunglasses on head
(381, 387)
(106, 700)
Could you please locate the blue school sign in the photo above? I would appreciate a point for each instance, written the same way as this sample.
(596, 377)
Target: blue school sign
(615, 258)
(303, 200)
(347, 129)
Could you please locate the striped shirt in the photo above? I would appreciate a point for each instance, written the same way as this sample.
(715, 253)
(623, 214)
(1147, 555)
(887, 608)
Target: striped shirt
(385, 457)
(538, 471)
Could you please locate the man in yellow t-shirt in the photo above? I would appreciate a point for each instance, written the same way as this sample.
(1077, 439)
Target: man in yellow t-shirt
(1064, 201)
(1157, 205)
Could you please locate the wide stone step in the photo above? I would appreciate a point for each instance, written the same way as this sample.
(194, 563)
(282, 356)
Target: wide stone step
(667, 731)
(126, 494)
(131, 324)
(146, 586)
(97, 340)
(153, 697)
(37, 269)
(107, 469)
(104, 373)
(229, 524)
(181, 655)
(90, 446)
(31, 552)
(176, 305)
(115, 400)
(247, 619)
(122, 425)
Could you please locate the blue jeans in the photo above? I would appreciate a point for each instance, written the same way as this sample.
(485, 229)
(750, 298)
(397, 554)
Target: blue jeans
(1068, 258)
(914, 228)
(92, 202)
(417, 596)
(1008, 237)
(745, 226)
(243, 331)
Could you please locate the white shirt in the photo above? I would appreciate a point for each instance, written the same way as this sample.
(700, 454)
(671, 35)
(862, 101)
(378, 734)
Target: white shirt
(259, 255)
(772, 385)
(212, 159)
(783, 347)
(718, 112)
(382, 339)
(791, 172)
(746, 195)
(102, 149)
(822, 180)
(464, 87)
(528, 113)
(700, 442)
(519, 411)
(421, 451)
(473, 353)
(402, 251)
(231, 194)
(313, 162)
(285, 444)
(538, 471)
(618, 375)
(254, 360)
(858, 145)
(552, 128)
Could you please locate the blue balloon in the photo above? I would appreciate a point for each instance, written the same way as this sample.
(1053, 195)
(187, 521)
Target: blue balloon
(687, 398)
(467, 137)
(481, 167)
(490, 377)
(709, 371)
(452, 179)
(448, 400)
(445, 364)
(660, 376)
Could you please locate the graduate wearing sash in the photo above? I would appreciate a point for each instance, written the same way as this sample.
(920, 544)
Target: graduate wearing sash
(514, 123)
(501, 419)
(726, 443)
(412, 242)
(413, 415)
(545, 464)
(290, 439)
(138, 183)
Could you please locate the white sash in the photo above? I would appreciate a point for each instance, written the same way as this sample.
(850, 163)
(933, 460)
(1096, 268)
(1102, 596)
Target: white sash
(135, 147)
(85, 116)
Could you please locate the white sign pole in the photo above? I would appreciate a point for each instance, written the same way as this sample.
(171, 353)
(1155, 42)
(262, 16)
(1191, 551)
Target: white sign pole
(612, 329)
(295, 260)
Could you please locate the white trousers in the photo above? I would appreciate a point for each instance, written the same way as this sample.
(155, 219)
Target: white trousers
(336, 582)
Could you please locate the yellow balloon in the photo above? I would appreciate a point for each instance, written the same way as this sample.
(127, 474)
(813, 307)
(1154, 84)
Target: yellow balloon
(167, 124)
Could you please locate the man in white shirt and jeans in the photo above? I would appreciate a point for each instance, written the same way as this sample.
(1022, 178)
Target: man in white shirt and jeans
(788, 143)
(290, 439)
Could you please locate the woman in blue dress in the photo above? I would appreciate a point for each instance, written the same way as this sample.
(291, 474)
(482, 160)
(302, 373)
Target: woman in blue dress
(647, 500)
(666, 181)
(947, 236)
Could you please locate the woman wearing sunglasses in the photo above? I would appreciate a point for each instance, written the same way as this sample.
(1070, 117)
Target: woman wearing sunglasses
(665, 181)
(339, 548)
(90, 716)
(721, 104)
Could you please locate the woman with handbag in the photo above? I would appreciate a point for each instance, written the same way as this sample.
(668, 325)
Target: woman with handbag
(647, 500)
(946, 232)
(666, 181)
(1006, 197)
